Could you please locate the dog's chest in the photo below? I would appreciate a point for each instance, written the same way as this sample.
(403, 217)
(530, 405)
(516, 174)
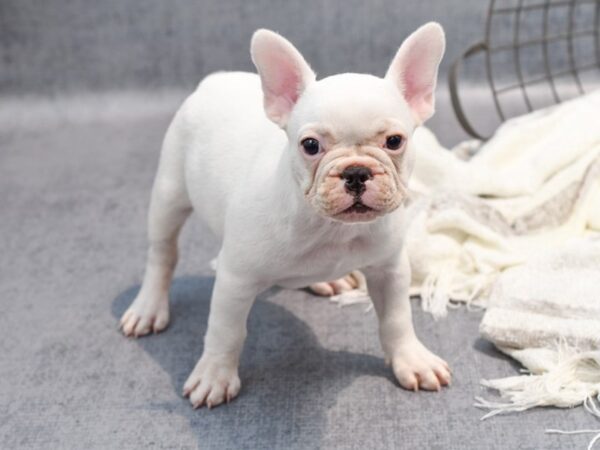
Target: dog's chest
(327, 260)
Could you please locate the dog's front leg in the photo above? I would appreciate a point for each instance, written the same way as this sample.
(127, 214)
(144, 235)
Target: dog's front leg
(215, 379)
(413, 364)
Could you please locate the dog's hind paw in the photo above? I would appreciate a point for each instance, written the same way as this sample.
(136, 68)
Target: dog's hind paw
(354, 280)
(145, 316)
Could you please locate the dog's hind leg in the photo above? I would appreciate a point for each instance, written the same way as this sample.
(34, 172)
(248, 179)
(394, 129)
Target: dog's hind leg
(169, 208)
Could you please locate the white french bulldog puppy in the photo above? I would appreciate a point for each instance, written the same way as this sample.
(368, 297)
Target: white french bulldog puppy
(303, 181)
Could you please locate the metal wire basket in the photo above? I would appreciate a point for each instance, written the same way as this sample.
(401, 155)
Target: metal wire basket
(538, 52)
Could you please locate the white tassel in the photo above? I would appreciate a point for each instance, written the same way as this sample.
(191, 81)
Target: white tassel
(449, 286)
(355, 296)
(434, 292)
(572, 378)
(352, 298)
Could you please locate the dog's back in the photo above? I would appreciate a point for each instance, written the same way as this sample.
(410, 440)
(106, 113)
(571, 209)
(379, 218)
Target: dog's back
(223, 131)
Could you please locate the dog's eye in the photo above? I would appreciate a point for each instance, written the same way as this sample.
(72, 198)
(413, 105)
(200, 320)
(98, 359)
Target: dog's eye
(311, 146)
(394, 142)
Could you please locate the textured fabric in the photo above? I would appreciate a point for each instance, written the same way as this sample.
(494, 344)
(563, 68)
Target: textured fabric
(75, 179)
(553, 297)
(532, 187)
(546, 315)
(507, 238)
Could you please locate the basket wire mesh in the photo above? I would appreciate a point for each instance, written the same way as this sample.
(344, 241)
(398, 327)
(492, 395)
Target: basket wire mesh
(515, 43)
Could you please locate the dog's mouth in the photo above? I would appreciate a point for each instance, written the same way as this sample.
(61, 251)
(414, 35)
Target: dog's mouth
(358, 207)
(357, 212)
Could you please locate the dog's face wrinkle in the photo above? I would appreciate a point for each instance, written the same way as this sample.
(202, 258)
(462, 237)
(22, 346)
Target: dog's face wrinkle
(345, 141)
(325, 189)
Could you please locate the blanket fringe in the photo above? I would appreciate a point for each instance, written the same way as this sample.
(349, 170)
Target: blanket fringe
(448, 287)
(435, 290)
(572, 379)
(358, 295)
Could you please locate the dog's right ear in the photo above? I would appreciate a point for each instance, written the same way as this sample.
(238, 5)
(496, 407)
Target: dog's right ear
(414, 69)
(284, 73)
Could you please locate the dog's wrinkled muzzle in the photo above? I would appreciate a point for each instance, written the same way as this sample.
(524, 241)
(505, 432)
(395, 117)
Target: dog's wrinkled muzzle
(356, 189)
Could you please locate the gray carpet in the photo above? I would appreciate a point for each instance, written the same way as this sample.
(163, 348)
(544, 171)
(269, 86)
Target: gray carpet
(74, 186)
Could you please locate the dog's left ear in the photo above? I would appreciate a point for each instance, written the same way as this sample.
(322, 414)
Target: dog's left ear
(284, 73)
(414, 69)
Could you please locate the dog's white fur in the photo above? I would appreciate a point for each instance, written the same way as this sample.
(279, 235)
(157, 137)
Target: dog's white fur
(282, 214)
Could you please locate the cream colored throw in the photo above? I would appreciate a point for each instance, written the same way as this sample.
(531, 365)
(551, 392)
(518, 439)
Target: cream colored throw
(530, 189)
(514, 229)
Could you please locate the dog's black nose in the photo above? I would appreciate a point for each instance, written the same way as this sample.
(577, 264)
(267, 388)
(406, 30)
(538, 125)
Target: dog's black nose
(355, 177)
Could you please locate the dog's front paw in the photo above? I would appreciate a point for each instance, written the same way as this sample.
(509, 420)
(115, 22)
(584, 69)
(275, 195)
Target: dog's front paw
(145, 315)
(417, 368)
(213, 381)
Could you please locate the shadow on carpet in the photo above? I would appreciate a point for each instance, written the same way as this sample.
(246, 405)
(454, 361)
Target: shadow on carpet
(288, 380)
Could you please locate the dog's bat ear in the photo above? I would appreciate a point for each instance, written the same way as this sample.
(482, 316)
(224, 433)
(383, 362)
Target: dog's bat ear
(414, 69)
(284, 73)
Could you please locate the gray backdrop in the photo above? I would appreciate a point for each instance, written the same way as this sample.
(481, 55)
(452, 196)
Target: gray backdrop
(53, 46)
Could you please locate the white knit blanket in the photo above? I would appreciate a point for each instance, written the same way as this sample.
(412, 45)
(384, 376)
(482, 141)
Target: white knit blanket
(514, 229)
